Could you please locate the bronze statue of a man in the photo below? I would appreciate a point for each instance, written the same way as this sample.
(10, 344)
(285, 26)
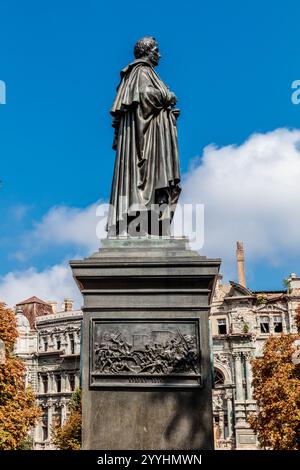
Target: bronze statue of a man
(146, 174)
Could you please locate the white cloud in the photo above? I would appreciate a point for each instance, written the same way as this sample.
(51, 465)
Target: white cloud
(55, 283)
(68, 225)
(78, 228)
(251, 193)
(61, 225)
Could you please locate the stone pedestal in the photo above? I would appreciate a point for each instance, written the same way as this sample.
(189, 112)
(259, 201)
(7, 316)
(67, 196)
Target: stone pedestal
(245, 437)
(146, 375)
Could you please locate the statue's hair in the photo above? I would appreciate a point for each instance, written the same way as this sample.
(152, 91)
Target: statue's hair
(143, 46)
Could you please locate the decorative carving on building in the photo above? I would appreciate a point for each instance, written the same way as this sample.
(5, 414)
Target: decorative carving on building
(237, 355)
(222, 358)
(226, 444)
(248, 355)
(228, 394)
(145, 352)
(280, 308)
(218, 403)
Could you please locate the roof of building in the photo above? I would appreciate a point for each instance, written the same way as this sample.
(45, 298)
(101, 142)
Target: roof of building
(269, 292)
(32, 300)
(244, 290)
(33, 308)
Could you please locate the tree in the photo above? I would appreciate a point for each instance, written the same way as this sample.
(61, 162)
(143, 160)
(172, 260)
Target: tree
(18, 411)
(68, 436)
(276, 384)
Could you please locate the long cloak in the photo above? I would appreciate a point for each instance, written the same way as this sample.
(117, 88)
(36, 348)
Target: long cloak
(145, 142)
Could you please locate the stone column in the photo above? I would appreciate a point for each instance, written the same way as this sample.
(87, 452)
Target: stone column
(284, 327)
(237, 357)
(77, 341)
(68, 387)
(248, 375)
(146, 286)
(245, 438)
(63, 382)
(50, 417)
(271, 324)
(51, 382)
(63, 412)
(38, 427)
(34, 376)
(77, 382)
(64, 343)
(68, 345)
(221, 424)
(66, 382)
(240, 263)
(228, 397)
(51, 341)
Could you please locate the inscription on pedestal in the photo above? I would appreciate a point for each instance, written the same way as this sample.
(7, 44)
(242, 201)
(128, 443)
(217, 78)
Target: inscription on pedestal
(145, 353)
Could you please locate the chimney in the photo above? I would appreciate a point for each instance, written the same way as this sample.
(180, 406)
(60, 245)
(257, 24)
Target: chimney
(68, 305)
(293, 284)
(53, 305)
(240, 263)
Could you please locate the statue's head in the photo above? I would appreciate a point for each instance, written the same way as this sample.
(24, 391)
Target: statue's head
(147, 48)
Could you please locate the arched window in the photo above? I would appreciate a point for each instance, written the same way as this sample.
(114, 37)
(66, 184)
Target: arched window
(219, 378)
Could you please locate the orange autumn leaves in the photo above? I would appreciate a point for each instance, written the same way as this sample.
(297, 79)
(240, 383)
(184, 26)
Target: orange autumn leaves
(68, 437)
(18, 411)
(276, 384)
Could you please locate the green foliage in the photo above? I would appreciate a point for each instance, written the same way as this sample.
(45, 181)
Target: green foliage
(286, 284)
(75, 403)
(27, 443)
(261, 300)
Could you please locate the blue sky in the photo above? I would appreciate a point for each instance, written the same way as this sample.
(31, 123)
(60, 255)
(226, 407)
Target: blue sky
(231, 65)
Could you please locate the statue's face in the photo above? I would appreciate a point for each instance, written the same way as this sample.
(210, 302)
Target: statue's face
(154, 55)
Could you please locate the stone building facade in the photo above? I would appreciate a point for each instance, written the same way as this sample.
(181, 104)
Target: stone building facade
(241, 321)
(50, 346)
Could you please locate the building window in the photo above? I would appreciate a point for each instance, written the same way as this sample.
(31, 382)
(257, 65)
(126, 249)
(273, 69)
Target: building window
(45, 426)
(58, 343)
(264, 324)
(45, 383)
(58, 383)
(222, 327)
(72, 344)
(72, 381)
(45, 344)
(277, 324)
(219, 378)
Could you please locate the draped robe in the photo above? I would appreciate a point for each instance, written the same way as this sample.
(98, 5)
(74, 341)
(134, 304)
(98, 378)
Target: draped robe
(145, 142)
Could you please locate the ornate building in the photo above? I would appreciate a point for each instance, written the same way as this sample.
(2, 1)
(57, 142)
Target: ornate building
(241, 321)
(50, 344)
